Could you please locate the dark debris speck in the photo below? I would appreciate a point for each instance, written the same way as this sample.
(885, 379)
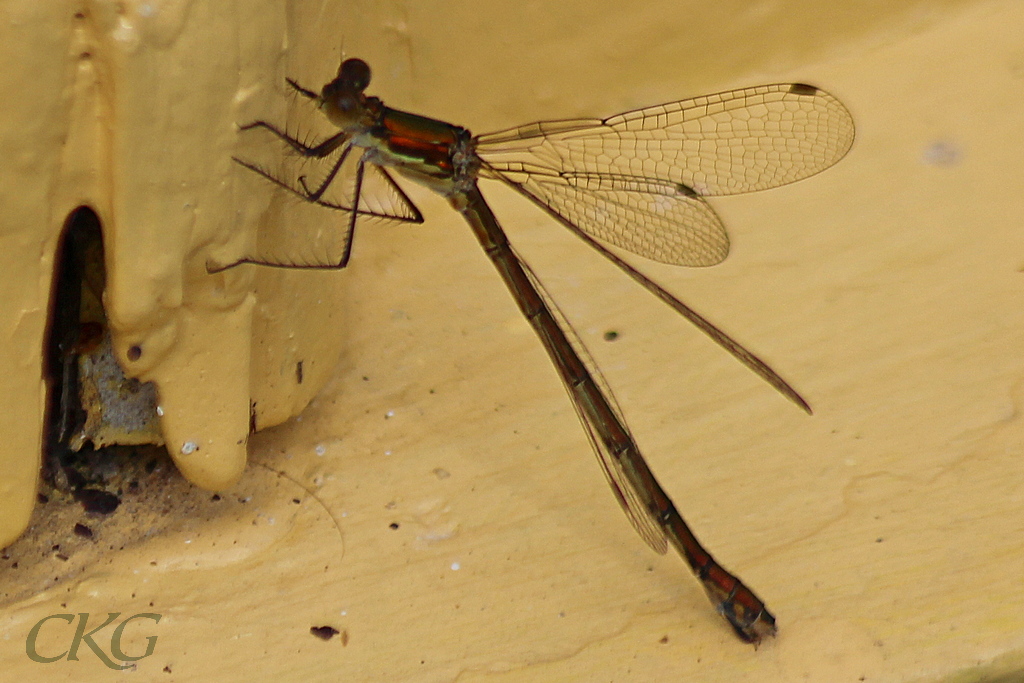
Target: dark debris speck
(324, 632)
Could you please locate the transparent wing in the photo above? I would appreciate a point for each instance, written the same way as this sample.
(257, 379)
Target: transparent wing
(652, 218)
(293, 232)
(652, 165)
(633, 499)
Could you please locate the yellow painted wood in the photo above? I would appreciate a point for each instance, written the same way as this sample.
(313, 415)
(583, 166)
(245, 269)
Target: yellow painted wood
(132, 109)
(28, 146)
(884, 531)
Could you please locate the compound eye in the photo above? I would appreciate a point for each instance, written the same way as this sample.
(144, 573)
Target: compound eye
(356, 73)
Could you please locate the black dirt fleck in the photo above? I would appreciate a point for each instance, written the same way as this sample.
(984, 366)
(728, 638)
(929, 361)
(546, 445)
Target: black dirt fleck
(324, 632)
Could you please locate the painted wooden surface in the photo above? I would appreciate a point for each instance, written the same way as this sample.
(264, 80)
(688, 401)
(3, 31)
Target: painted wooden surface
(461, 531)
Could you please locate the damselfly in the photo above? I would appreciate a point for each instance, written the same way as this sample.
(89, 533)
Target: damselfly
(636, 181)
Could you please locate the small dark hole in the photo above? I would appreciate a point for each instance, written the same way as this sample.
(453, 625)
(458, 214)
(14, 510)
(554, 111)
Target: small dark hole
(134, 352)
(98, 501)
(611, 335)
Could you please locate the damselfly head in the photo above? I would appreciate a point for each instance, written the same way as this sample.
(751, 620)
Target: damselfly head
(342, 99)
(356, 72)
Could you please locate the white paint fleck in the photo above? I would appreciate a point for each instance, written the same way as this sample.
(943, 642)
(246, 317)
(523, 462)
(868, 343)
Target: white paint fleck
(189, 447)
(320, 449)
(456, 566)
(160, 411)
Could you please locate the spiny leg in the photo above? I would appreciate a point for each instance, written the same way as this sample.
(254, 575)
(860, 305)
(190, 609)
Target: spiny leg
(314, 195)
(355, 213)
(305, 92)
(317, 151)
